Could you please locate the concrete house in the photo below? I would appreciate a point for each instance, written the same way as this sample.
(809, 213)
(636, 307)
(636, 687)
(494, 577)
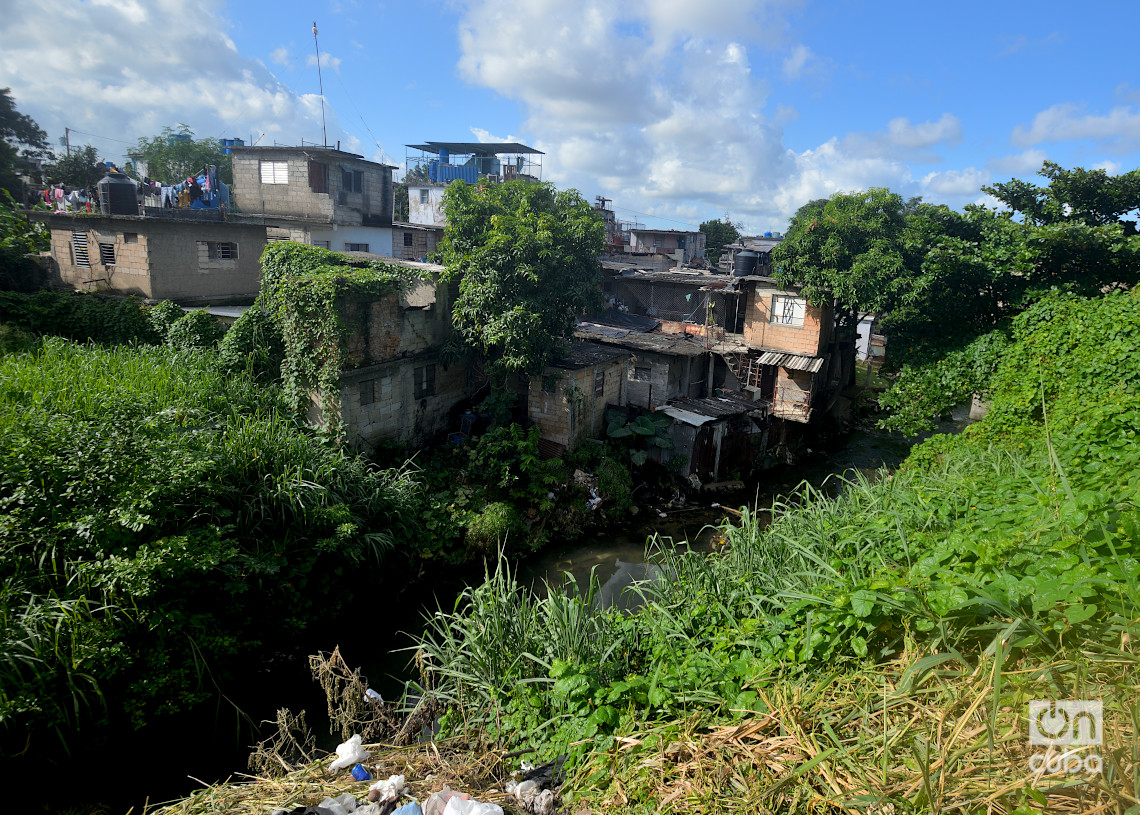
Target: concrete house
(568, 402)
(678, 245)
(191, 256)
(396, 388)
(321, 196)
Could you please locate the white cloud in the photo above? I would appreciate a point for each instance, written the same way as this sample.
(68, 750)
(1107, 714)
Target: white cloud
(796, 61)
(281, 56)
(947, 130)
(955, 183)
(128, 78)
(1027, 161)
(1119, 129)
(327, 61)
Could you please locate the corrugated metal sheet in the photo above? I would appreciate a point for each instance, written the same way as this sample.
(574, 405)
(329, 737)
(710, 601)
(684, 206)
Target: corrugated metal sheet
(795, 362)
(694, 419)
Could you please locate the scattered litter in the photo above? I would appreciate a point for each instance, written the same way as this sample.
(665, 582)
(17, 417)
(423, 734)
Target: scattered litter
(360, 773)
(532, 797)
(372, 696)
(437, 802)
(469, 806)
(349, 753)
(341, 805)
(389, 790)
(408, 809)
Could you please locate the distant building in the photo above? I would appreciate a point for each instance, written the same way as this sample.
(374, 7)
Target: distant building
(437, 164)
(682, 247)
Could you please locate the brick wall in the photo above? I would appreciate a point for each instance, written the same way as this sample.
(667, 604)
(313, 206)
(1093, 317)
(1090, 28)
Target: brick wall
(423, 242)
(760, 332)
(385, 328)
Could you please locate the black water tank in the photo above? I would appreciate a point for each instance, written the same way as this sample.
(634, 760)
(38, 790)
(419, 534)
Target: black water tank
(745, 263)
(118, 195)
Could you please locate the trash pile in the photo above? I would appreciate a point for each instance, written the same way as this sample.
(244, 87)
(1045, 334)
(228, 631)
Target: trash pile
(530, 791)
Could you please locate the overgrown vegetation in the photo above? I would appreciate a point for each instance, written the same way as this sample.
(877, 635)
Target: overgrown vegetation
(162, 516)
(304, 290)
(869, 651)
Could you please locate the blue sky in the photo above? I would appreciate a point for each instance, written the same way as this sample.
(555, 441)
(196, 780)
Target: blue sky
(678, 111)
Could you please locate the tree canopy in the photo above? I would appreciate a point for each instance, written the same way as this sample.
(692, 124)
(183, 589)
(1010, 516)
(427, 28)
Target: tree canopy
(81, 168)
(174, 155)
(20, 139)
(525, 256)
(718, 233)
(850, 247)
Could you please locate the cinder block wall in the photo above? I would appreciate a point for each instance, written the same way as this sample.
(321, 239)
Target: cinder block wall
(760, 332)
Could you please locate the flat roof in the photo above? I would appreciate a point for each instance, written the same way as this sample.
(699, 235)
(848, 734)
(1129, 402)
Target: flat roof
(672, 344)
(475, 147)
(665, 231)
(307, 148)
(583, 354)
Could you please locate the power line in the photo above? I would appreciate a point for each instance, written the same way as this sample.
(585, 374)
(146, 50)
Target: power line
(658, 217)
(97, 136)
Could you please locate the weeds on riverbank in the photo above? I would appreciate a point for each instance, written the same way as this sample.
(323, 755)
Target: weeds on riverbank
(992, 568)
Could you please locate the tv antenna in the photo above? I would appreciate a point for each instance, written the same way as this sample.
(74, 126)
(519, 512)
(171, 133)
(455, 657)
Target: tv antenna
(321, 84)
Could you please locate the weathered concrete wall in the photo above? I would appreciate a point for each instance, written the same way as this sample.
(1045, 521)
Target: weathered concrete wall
(161, 260)
(372, 206)
(413, 244)
(811, 338)
(652, 379)
(573, 412)
(429, 213)
(379, 403)
(396, 325)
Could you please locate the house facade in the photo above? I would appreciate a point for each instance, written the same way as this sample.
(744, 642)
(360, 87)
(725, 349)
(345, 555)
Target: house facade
(316, 195)
(203, 260)
(680, 246)
(568, 401)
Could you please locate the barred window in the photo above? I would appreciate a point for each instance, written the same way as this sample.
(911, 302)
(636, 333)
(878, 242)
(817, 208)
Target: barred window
(787, 310)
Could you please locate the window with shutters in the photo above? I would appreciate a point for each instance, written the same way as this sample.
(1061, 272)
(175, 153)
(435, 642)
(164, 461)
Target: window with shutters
(79, 248)
(107, 254)
(787, 310)
(274, 172)
(424, 381)
(599, 383)
(352, 180)
(318, 177)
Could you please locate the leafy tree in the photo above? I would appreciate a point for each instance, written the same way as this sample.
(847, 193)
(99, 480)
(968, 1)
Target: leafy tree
(525, 256)
(81, 168)
(18, 239)
(20, 139)
(175, 155)
(718, 233)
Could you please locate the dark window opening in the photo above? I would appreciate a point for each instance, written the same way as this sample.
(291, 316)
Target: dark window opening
(352, 180)
(107, 254)
(641, 374)
(407, 239)
(599, 383)
(367, 390)
(356, 247)
(318, 177)
(425, 381)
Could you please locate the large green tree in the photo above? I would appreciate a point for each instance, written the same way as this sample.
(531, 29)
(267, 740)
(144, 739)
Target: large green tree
(21, 139)
(174, 155)
(718, 233)
(80, 168)
(525, 256)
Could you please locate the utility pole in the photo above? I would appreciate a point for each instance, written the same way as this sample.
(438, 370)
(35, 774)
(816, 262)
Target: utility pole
(67, 136)
(321, 84)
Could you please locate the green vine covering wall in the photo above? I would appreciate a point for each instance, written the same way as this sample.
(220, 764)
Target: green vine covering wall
(305, 290)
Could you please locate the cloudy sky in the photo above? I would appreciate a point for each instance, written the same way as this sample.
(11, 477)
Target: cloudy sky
(679, 111)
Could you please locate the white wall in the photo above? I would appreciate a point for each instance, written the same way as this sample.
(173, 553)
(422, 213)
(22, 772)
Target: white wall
(378, 238)
(429, 214)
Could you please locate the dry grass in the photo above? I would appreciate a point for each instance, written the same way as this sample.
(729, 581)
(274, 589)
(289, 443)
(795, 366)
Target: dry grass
(460, 764)
(862, 743)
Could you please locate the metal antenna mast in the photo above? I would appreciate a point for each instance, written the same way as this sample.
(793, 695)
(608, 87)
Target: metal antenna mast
(321, 83)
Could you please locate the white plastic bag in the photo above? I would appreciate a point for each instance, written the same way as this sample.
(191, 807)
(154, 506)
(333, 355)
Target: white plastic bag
(457, 806)
(348, 754)
(391, 789)
(341, 805)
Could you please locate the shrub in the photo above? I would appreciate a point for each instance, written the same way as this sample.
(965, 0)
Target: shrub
(253, 344)
(195, 329)
(493, 527)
